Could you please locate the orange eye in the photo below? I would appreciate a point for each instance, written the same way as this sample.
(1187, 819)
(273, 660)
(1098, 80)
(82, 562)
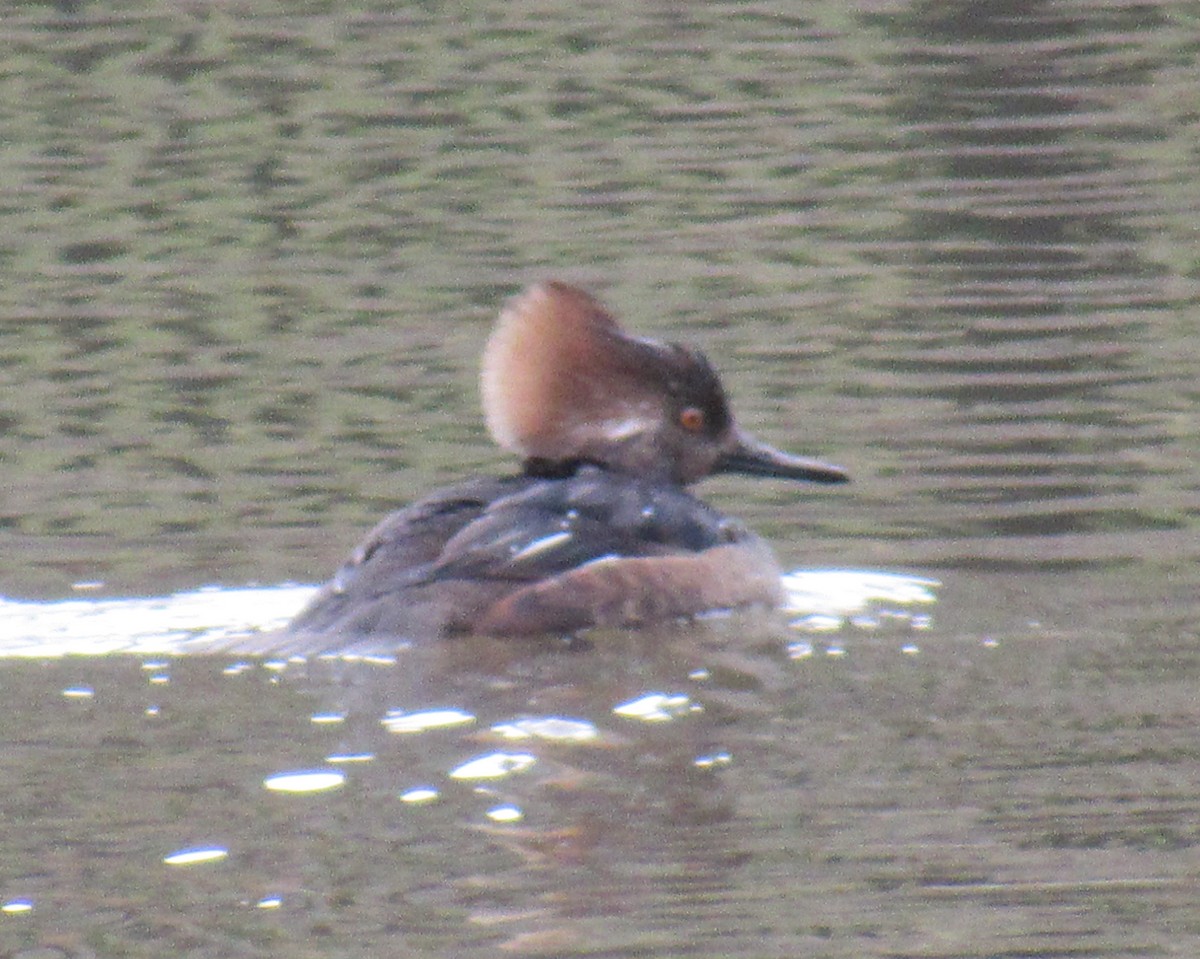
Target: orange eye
(691, 419)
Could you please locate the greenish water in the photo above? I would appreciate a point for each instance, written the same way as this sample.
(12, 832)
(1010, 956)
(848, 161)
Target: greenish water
(250, 254)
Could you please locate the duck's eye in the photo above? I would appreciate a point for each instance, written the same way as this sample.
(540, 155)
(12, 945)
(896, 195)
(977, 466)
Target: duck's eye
(691, 419)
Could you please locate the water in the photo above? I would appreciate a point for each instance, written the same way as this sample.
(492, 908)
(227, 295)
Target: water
(251, 253)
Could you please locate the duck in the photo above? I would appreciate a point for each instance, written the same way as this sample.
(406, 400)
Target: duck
(598, 528)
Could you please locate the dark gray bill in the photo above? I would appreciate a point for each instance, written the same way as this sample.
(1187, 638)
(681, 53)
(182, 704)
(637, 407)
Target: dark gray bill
(758, 459)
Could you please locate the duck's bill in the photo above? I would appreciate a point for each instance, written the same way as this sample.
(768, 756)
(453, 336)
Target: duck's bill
(754, 458)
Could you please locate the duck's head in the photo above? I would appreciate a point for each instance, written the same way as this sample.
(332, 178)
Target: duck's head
(564, 385)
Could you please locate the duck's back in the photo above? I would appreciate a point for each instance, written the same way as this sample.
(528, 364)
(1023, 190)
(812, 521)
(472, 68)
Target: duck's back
(529, 555)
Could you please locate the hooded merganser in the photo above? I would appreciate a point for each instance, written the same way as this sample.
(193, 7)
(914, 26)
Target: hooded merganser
(598, 529)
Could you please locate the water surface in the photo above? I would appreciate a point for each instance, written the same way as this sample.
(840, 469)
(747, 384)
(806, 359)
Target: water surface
(250, 255)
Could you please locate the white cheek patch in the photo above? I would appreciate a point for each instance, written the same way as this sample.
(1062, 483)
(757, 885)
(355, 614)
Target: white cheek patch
(623, 429)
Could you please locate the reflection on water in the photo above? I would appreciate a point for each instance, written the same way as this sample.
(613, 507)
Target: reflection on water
(673, 786)
(207, 619)
(156, 624)
(250, 256)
